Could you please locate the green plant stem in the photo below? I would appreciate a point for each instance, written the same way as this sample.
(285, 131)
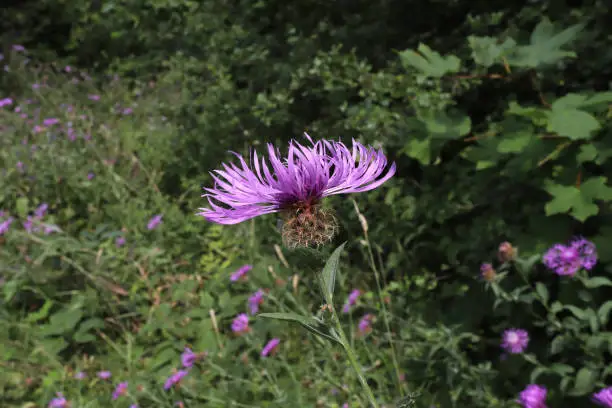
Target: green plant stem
(352, 358)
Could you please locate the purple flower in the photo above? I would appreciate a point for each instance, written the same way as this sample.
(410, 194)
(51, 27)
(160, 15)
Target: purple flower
(90, 176)
(105, 375)
(295, 184)
(5, 225)
(120, 389)
(175, 379)
(255, 300)
(533, 396)
(18, 48)
(127, 111)
(133, 406)
(79, 375)
(20, 166)
(270, 347)
(352, 299)
(188, 358)
(5, 102)
(94, 97)
(59, 402)
(603, 397)
(487, 272)
(240, 324)
(154, 222)
(41, 210)
(67, 68)
(566, 260)
(515, 340)
(119, 242)
(241, 273)
(50, 121)
(365, 324)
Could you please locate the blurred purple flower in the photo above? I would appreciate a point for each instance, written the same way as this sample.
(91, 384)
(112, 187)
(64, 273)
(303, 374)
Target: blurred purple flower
(175, 379)
(127, 111)
(80, 375)
(120, 389)
(487, 272)
(240, 274)
(105, 375)
(51, 121)
(255, 300)
(533, 396)
(5, 225)
(365, 324)
(20, 166)
(351, 301)
(67, 68)
(58, 402)
(133, 406)
(515, 341)
(154, 222)
(270, 347)
(90, 176)
(603, 397)
(5, 102)
(299, 182)
(566, 260)
(240, 324)
(119, 242)
(188, 358)
(94, 97)
(41, 210)
(18, 48)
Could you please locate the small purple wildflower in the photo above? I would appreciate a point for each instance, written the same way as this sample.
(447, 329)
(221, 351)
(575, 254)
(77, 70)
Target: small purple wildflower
(533, 396)
(365, 324)
(18, 48)
(240, 274)
(603, 397)
(154, 222)
(51, 121)
(20, 166)
(566, 260)
(515, 340)
(58, 402)
(127, 111)
(270, 347)
(41, 210)
(188, 358)
(94, 97)
(487, 272)
(175, 379)
(133, 406)
(295, 186)
(5, 225)
(119, 242)
(67, 68)
(90, 176)
(120, 389)
(240, 324)
(351, 301)
(5, 102)
(255, 300)
(80, 375)
(105, 375)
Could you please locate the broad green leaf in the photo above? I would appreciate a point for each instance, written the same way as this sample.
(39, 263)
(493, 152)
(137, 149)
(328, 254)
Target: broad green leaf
(579, 202)
(546, 46)
(443, 125)
(514, 143)
(487, 51)
(562, 369)
(310, 324)
(596, 282)
(542, 292)
(572, 123)
(604, 312)
(328, 276)
(584, 382)
(22, 206)
(63, 321)
(418, 149)
(429, 62)
(588, 153)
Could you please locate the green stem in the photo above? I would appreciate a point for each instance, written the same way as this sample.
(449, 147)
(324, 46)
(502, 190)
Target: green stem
(353, 358)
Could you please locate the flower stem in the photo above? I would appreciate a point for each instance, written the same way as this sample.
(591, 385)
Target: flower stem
(353, 358)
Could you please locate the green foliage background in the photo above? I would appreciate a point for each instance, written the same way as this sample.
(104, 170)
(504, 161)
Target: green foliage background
(497, 114)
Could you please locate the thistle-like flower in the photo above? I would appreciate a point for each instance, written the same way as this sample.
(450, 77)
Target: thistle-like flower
(295, 187)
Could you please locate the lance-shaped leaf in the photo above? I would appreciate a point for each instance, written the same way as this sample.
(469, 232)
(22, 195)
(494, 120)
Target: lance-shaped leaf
(328, 276)
(311, 324)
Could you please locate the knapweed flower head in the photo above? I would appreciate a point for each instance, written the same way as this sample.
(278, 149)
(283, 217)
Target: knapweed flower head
(105, 375)
(487, 272)
(188, 358)
(58, 402)
(175, 379)
(240, 324)
(240, 273)
(365, 324)
(255, 300)
(5, 102)
(295, 186)
(119, 242)
(154, 222)
(566, 260)
(515, 340)
(5, 223)
(79, 375)
(351, 301)
(533, 396)
(120, 389)
(270, 347)
(506, 252)
(603, 397)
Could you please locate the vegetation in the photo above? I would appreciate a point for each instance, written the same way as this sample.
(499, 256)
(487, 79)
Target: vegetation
(497, 116)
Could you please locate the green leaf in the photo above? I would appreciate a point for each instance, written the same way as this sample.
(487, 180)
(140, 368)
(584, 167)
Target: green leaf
(328, 276)
(579, 202)
(487, 51)
(22, 206)
(429, 62)
(542, 292)
(596, 282)
(584, 382)
(443, 125)
(588, 153)
(515, 143)
(604, 312)
(572, 123)
(546, 46)
(418, 149)
(41, 313)
(63, 322)
(562, 369)
(310, 324)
